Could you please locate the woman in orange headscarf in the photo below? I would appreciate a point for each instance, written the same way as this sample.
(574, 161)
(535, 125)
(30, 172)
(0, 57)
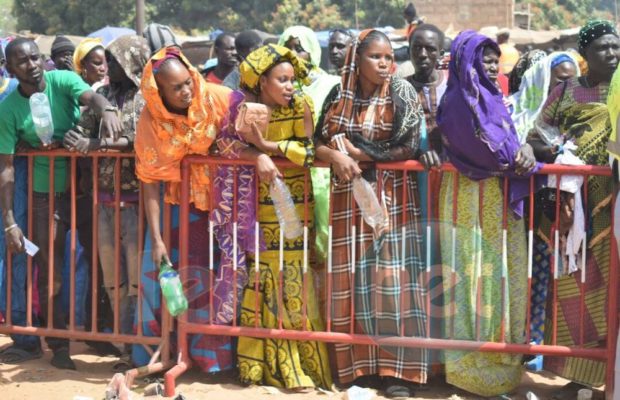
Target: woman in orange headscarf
(182, 116)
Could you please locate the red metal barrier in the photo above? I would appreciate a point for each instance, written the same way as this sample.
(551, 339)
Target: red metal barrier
(160, 358)
(186, 327)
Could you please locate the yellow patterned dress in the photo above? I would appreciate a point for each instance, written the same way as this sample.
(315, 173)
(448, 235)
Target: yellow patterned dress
(478, 266)
(276, 362)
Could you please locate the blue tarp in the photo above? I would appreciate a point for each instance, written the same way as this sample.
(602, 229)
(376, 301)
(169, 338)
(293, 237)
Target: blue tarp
(109, 33)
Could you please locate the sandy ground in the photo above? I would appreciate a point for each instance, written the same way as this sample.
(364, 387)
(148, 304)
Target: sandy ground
(37, 379)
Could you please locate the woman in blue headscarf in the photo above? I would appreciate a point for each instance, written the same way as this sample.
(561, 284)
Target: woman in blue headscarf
(480, 140)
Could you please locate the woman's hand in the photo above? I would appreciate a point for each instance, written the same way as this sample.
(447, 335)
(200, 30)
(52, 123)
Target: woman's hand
(73, 140)
(159, 253)
(345, 167)
(525, 160)
(267, 170)
(567, 212)
(430, 159)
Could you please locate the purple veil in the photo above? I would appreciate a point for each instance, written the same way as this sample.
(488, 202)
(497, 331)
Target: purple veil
(479, 137)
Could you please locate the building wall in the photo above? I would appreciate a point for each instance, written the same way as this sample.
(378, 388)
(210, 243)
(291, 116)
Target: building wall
(466, 14)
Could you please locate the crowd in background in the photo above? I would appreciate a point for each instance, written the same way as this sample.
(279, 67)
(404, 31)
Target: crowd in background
(474, 102)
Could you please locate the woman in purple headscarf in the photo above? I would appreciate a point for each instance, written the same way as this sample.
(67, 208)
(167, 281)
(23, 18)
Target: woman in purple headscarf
(480, 140)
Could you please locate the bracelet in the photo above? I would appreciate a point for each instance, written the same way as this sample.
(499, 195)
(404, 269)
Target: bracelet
(8, 228)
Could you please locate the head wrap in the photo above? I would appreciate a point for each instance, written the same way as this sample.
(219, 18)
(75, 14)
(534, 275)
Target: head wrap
(263, 59)
(199, 122)
(379, 121)
(561, 59)
(307, 40)
(526, 61)
(159, 36)
(593, 30)
(61, 44)
(533, 92)
(341, 113)
(132, 53)
(169, 54)
(477, 131)
(81, 51)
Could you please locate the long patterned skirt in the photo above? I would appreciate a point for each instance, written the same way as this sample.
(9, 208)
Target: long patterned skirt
(598, 260)
(386, 290)
(282, 363)
(478, 256)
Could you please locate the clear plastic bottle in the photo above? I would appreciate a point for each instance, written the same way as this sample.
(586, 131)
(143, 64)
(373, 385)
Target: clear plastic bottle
(172, 289)
(42, 117)
(367, 201)
(285, 209)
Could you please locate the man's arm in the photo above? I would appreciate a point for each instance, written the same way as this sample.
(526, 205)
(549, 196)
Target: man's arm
(14, 235)
(109, 119)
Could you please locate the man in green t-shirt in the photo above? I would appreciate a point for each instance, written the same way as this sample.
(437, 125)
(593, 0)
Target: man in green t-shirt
(66, 91)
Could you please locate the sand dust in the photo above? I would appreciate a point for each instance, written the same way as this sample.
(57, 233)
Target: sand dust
(37, 379)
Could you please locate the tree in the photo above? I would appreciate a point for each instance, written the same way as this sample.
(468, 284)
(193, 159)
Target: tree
(561, 14)
(77, 17)
(316, 14)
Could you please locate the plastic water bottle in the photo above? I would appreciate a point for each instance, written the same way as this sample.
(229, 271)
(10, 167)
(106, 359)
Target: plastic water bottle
(42, 117)
(172, 289)
(367, 201)
(285, 209)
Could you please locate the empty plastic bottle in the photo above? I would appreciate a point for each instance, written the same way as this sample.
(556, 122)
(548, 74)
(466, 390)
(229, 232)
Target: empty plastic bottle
(285, 209)
(367, 201)
(42, 117)
(172, 289)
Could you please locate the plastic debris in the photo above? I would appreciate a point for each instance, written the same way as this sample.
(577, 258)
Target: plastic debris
(531, 396)
(358, 393)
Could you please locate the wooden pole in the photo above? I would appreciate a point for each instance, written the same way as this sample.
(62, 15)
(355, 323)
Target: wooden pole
(139, 16)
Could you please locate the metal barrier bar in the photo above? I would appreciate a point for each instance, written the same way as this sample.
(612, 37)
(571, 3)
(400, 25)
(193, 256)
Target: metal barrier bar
(74, 332)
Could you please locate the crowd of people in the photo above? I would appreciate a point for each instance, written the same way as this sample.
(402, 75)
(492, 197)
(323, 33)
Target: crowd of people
(492, 121)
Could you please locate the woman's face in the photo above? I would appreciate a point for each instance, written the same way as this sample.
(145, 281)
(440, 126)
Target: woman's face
(295, 45)
(375, 62)
(95, 66)
(176, 86)
(603, 56)
(561, 73)
(115, 71)
(277, 86)
(490, 61)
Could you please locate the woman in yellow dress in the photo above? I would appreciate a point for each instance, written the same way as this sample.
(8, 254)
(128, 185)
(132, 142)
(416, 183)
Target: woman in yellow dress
(267, 76)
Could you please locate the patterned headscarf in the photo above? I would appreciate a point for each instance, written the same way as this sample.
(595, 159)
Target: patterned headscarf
(593, 30)
(262, 60)
(307, 40)
(532, 94)
(132, 53)
(340, 118)
(200, 121)
(81, 51)
(526, 61)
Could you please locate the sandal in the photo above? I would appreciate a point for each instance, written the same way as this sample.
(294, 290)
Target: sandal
(568, 391)
(61, 360)
(396, 388)
(124, 364)
(16, 355)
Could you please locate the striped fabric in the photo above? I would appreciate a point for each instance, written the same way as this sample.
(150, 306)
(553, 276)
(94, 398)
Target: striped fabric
(388, 295)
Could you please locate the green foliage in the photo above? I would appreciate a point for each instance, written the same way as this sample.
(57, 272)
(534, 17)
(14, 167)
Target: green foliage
(317, 14)
(560, 14)
(77, 17)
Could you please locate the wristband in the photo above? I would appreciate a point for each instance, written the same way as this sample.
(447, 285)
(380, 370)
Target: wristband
(8, 228)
